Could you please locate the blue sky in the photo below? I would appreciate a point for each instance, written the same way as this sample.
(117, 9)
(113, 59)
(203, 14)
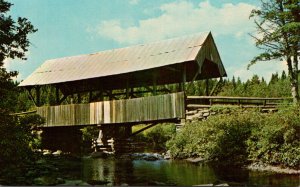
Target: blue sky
(73, 27)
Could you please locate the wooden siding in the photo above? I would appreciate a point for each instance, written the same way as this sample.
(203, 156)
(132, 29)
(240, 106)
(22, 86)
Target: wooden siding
(161, 107)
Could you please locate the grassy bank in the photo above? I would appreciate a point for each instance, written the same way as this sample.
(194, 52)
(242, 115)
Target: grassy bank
(242, 137)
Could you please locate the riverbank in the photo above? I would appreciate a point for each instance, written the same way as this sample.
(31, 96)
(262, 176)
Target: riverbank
(269, 168)
(140, 169)
(197, 160)
(243, 138)
(255, 167)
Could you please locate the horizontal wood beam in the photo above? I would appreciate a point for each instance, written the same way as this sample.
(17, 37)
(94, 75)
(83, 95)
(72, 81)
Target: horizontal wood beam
(23, 113)
(141, 130)
(239, 98)
(172, 69)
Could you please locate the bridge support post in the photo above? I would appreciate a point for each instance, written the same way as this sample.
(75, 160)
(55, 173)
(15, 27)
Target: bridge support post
(38, 96)
(114, 138)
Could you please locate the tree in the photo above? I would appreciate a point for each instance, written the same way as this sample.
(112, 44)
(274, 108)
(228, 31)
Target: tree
(274, 78)
(278, 35)
(14, 43)
(13, 35)
(283, 75)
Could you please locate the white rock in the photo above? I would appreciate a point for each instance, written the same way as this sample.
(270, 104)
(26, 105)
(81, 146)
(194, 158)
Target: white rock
(46, 152)
(57, 153)
(205, 114)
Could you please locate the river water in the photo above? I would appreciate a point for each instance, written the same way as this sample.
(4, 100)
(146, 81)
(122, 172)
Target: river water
(126, 171)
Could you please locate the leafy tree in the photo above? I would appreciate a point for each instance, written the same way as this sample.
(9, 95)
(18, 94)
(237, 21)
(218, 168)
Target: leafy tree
(13, 44)
(13, 35)
(278, 35)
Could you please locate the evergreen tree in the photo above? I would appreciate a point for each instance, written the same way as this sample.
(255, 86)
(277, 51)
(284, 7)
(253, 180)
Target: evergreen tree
(233, 82)
(278, 35)
(283, 75)
(274, 78)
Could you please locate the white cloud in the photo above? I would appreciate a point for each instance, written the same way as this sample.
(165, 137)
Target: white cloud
(7, 62)
(134, 2)
(15, 64)
(179, 18)
(182, 17)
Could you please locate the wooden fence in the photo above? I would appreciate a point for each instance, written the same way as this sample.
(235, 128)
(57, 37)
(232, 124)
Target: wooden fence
(207, 101)
(161, 107)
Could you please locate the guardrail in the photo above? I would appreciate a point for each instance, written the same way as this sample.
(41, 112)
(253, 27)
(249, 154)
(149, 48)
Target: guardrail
(208, 101)
(23, 113)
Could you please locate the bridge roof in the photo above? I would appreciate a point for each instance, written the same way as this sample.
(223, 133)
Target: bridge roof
(127, 60)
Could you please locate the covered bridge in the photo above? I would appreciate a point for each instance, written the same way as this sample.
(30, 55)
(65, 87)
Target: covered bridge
(113, 79)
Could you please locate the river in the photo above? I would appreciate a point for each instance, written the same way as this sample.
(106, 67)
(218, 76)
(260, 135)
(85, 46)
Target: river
(127, 171)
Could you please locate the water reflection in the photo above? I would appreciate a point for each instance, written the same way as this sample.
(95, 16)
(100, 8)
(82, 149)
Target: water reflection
(173, 173)
(162, 172)
(110, 170)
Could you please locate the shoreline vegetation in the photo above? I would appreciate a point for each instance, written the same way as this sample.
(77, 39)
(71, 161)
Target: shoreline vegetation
(236, 137)
(232, 137)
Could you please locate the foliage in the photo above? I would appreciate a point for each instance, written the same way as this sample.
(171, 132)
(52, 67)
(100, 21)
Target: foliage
(278, 86)
(277, 139)
(14, 34)
(244, 136)
(278, 35)
(15, 132)
(221, 137)
(17, 139)
(89, 133)
(157, 135)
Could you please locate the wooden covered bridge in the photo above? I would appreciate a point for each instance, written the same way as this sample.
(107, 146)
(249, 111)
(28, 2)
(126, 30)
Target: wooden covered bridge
(118, 88)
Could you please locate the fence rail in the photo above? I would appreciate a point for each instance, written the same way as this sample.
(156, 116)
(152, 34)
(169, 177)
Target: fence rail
(161, 107)
(207, 101)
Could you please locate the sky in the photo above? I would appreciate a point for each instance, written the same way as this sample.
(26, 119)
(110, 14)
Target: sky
(74, 27)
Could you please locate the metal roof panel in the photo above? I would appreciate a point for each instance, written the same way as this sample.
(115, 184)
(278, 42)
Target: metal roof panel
(118, 61)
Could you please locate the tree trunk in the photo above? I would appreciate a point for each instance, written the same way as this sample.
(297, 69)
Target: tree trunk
(293, 75)
(296, 79)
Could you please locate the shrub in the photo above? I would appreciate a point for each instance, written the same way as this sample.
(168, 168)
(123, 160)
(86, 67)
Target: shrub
(242, 136)
(157, 136)
(17, 139)
(221, 137)
(276, 140)
(89, 133)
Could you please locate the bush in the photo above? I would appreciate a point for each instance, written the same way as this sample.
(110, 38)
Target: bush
(17, 139)
(242, 136)
(89, 133)
(221, 137)
(277, 140)
(157, 136)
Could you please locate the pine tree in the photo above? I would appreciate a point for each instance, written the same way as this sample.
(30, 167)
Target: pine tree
(278, 35)
(283, 75)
